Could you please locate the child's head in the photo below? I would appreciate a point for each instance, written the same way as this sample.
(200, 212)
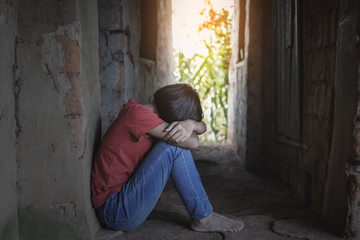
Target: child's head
(178, 102)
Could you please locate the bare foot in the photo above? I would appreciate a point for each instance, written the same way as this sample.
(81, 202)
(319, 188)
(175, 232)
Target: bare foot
(217, 223)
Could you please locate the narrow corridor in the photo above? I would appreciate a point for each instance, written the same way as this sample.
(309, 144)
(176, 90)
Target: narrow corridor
(68, 66)
(268, 209)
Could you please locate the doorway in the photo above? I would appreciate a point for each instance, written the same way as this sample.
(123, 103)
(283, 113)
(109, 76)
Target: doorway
(202, 52)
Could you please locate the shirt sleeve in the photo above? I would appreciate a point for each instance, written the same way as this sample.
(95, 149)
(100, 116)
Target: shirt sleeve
(139, 120)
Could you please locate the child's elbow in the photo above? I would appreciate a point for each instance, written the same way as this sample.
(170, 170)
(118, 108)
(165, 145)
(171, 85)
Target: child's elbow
(196, 143)
(193, 143)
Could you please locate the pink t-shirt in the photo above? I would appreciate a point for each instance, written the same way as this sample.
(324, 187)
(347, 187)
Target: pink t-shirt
(122, 149)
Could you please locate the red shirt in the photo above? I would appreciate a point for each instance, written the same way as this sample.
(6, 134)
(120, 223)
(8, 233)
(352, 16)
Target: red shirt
(122, 149)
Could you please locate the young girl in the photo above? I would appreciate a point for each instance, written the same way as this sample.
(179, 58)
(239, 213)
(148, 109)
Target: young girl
(130, 170)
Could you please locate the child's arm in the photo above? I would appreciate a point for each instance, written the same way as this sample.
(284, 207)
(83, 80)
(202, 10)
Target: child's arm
(179, 131)
(183, 133)
(198, 127)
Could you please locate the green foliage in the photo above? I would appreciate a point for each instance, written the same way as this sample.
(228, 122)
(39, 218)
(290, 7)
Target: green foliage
(208, 73)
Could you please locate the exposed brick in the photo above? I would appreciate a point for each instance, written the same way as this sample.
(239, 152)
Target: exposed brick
(72, 99)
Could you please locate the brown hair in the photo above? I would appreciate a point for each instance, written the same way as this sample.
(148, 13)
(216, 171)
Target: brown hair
(178, 102)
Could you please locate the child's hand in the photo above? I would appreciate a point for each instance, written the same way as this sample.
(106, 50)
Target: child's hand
(178, 132)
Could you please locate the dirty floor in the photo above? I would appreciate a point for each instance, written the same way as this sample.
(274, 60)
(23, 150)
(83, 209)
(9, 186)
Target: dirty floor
(269, 209)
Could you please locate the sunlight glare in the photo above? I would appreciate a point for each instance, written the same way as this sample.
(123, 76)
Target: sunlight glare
(186, 21)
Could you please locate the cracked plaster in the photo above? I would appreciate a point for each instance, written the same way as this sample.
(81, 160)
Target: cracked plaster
(61, 61)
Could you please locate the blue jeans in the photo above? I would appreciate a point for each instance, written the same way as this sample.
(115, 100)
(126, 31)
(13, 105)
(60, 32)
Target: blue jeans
(127, 209)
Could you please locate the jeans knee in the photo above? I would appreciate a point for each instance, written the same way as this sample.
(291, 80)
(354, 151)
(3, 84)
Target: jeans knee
(163, 146)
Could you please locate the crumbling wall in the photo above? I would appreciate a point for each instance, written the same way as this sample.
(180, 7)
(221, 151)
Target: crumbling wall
(8, 126)
(112, 43)
(123, 73)
(49, 117)
(50, 108)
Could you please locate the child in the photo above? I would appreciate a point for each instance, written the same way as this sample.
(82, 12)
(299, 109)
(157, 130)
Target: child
(130, 170)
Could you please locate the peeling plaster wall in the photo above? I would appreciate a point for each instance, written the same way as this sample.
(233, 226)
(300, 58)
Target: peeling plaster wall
(123, 73)
(112, 43)
(8, 141)
(89, 76)
(57, 94)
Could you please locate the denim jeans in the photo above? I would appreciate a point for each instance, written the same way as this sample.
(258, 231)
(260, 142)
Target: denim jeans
(127, 209)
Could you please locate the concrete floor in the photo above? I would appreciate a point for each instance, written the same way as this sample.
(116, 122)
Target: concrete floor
(269, 210)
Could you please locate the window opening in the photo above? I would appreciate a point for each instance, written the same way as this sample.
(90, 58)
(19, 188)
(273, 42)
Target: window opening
(202, 50)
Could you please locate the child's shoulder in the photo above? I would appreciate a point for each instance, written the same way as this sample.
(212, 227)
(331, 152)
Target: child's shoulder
(133, 109)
